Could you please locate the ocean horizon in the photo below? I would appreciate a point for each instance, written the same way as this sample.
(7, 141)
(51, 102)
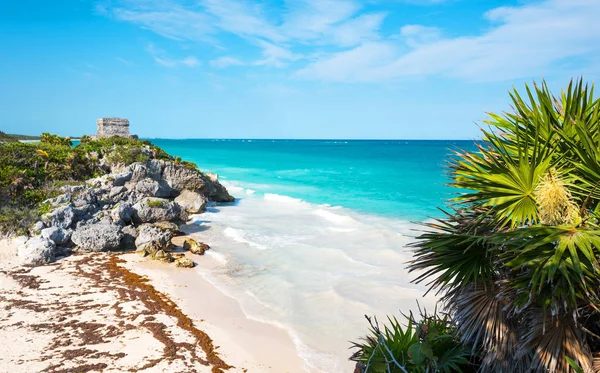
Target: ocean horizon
(319, 225)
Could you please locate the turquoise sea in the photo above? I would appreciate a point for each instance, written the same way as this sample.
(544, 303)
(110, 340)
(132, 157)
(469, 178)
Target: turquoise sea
(320, 233)
(393, 178)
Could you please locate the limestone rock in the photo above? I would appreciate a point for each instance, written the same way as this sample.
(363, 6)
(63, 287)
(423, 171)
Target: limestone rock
(192, 202)
(98, 237)
(59, 200)
(150, 210)
(167, 225)
(61, 217)
(163, 256)
(151, 239)
(217, 192)
(122, 211)
(130, 233)
(151, 188)
(37, 227)
(183, 262)
(57, 235)
(119, 179)
(194, 246)
(37, 251)
(180, 177)
(116, 193)
(84, 198)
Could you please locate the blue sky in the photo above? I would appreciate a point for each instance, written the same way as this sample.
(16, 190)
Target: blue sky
(410, 69)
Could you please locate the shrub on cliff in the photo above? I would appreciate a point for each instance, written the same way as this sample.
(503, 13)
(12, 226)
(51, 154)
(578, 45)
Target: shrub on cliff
(31, 173)
(427, 345)
(6, 138)
(517, 257)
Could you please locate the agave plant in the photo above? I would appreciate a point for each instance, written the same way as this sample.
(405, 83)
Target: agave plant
(516, 258)
(427, 345)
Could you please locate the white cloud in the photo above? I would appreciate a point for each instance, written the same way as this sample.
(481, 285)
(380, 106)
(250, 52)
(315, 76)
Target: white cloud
(167, 19)
(360, 29)
(310, 19)
(342, 42)
(415, 35)
(190, 61)
(526, 41)
(353, 65)
(225, 61)
(242, 18)
(161, 58)
(275, 55)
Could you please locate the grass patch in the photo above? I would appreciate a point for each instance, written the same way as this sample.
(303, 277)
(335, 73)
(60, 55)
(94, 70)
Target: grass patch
(156, 203)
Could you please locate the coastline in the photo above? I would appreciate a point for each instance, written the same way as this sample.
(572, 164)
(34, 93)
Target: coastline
(258, 294)
(76, 315)
(244, 343)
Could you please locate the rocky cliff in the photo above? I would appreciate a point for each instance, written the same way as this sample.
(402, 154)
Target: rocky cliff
(135, 206)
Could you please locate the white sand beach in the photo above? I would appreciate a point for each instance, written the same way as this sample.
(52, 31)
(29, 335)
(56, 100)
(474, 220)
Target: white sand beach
(93, 313)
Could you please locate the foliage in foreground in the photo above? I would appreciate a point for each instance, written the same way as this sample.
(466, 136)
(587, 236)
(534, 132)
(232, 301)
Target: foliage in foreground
(31, 173)
(428, 345)
(516, 258)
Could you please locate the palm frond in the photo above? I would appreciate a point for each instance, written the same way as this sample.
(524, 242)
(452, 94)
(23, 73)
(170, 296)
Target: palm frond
(552, 340)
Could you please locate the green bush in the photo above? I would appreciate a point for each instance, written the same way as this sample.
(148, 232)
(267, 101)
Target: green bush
(17, 220)
(156, 203)
(517, 257)
(51, 139)
(428, 345)
(33, 172)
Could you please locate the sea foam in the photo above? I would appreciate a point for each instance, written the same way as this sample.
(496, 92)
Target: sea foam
(310, 268)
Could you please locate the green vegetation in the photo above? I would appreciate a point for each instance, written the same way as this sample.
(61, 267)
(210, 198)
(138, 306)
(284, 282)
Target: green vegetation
(30, 173)
(4, 138)
(517, 256)
(516, 259)
(24, 137)
(428, 345)
(156, 203)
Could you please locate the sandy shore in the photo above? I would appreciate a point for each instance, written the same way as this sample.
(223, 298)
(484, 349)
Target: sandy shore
(254, 345)
(95, 312)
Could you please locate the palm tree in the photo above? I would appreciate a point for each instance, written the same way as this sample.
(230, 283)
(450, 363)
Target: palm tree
(516, 257)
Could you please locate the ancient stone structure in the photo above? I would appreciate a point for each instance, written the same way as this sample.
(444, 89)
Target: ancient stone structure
(108, 127)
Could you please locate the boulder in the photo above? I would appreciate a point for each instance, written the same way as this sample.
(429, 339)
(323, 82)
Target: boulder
(150, 188)
(190, 201)
(142, 170)
(194, 246)
(37, 227)
(183, 262)
(101, 236)
(130, 233)
(122, 211)
(62, 199)
(163, 256)
(180, 177)
(150, 210)
(217, 192)
(84, 198)
(174, 178)
(37, 251)
(151, 239)
(167, 225)
(57, 235)
(116, 193)
(119, 179)
(61, 217)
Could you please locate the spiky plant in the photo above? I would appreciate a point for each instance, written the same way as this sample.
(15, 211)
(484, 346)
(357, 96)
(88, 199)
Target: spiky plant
(426, 345)
(516, 259)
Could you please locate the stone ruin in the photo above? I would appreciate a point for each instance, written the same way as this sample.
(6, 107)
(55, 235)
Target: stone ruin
(108, 127)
